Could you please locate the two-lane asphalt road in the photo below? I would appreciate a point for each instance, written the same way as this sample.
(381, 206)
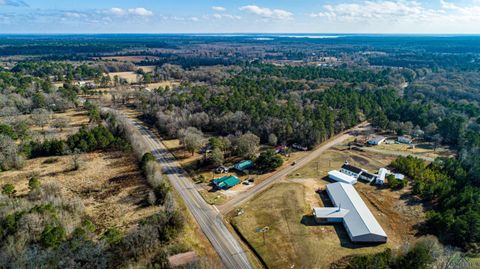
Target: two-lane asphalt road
(207, 216)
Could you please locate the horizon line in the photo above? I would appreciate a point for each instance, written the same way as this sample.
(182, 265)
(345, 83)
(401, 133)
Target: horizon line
(240, 33)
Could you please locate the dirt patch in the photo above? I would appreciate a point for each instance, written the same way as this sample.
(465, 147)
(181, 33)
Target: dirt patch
(130, 77)
(163, 84)
(360, 160)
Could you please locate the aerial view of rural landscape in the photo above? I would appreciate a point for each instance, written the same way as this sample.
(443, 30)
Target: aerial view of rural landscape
(244, 135)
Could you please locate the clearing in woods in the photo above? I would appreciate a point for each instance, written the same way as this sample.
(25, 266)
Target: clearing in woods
(294, 239)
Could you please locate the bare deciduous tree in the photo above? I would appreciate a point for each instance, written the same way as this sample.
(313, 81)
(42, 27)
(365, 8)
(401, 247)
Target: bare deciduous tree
(41, 117)
(9, 155)
(192, 139)
(247, 145)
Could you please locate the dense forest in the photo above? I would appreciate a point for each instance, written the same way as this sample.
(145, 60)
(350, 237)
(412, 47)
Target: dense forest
(265, 100)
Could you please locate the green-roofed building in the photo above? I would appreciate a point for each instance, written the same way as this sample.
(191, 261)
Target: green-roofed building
(226, 182)
(243, 165)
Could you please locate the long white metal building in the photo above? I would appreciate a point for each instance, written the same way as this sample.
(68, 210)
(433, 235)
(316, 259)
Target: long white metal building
(341, 177)
(359, 222)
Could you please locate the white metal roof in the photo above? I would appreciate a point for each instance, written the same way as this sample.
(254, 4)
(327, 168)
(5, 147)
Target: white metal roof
(382, 173)
(359, 221)
(377, 139)
(329, 212)
(339, 176)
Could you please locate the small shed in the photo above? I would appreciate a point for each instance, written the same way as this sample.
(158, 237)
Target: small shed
(243, 165)
(226, 182)
(382, 173)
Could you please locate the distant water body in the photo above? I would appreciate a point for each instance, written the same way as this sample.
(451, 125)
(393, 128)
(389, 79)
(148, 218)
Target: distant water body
(269, 36)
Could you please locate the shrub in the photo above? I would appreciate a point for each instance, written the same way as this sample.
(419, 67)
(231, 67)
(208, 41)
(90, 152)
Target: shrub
(396, 184)
(161, 192)
(147, 157)
(34, 183)
(9, 190)
(52, 236)
(10, 223)
(89, 226)
(112, 235)
(380, 260)
(8, 131)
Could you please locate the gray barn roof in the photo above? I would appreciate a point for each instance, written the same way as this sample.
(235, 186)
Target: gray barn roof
(360, 223)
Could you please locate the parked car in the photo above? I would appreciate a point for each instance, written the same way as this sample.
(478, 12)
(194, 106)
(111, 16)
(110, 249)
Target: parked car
(221, 170)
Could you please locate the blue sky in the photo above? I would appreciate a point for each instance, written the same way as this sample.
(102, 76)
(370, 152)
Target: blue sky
(232, 16)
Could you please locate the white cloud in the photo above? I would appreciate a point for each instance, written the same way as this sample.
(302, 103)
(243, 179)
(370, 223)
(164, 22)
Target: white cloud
(13, 3)
(117, 11)
(370, 9)
(446, 5)
(139, 11)
(399, 11)
(267, 12)
(226, 16)
(220, 9)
